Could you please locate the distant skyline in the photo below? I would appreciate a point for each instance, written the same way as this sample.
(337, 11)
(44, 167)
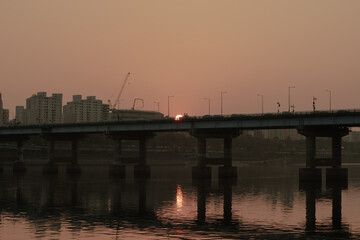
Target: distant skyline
(187, 49)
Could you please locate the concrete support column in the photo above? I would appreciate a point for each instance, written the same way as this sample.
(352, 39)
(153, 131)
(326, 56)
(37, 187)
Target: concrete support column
(228, 171)
(201, 203)
(51, 151)
(50, 167)
(336, 173)
(117, 169)
(336, 208)
(227, 202)
(310, 151)
(336, 151)
(227, 152)
(19, 165)
(201, 171)
(310, 173)
(310, 208)
(142, 169)
(142, 196)
(74, 151)
(118, 151)
(201, 151)
(20, 151)
(142, 151)
(74, 167)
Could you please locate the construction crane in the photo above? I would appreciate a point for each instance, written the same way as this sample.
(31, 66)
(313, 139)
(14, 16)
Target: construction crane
(116, 103)
(138, 99)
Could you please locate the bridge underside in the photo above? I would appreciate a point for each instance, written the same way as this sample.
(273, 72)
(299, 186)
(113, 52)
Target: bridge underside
(141, 168)
(202, 130)
(336, 172)
(201, 171)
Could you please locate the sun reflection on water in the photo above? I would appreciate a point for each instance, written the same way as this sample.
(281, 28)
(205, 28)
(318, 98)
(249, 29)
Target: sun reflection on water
(179, 198)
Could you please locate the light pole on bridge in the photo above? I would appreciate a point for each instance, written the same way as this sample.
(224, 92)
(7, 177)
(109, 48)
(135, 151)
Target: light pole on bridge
(221, 102)
(169, 105)
(208, 99)
(158, 105)
(262, 103)
(289, 95)
(330, 97)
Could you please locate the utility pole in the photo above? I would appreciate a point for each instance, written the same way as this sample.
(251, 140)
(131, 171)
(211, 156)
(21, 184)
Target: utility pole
(169, 105)
(221, 103)
(289, 96)
(262, 103)
(208, 99)
(330, 97)
(158, 105)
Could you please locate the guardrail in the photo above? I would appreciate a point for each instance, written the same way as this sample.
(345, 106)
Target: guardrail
(199, 118)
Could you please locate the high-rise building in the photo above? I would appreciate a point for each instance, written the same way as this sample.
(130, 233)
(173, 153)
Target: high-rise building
(4, 114)
(20, 115)
(85, 110)
(41, 109)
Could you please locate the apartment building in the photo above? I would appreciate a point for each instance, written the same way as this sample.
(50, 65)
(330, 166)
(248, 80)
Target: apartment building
(40, 109)
(85, 110)
(4, 113)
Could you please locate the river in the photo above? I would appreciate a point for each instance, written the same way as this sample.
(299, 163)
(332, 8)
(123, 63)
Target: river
(265, 202)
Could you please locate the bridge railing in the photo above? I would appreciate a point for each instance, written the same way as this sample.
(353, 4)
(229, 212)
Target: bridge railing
(202, 117)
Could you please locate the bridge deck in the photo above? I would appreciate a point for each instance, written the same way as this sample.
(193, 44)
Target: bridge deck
(235, 121)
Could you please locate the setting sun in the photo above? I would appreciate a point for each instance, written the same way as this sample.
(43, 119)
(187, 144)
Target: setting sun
(178, 117)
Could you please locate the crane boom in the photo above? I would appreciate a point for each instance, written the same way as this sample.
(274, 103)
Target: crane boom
(121, 90)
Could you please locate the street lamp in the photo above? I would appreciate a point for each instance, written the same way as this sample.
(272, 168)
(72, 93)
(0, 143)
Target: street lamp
(209, 103)
(169, 105)
(330, 97)
(221, 103)
(289, 95)
(262, 103)
(158, 105)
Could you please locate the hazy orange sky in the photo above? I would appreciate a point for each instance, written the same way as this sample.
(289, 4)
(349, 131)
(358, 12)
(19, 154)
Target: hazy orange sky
(188, 49)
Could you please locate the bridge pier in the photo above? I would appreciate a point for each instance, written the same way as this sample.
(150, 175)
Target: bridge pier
(141, 169)
(117, 168)
(227, 171)
(19, 164)
(50, 167)
(311, 173)
(201, 171)
(74, 167)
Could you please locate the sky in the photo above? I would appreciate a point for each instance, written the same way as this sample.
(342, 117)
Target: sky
(183, 48)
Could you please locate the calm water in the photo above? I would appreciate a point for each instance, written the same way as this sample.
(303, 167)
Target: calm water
(264, 203)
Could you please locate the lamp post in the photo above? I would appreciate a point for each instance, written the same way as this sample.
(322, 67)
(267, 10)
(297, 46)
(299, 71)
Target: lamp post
(289, 95)
(330, 97)
(208, 99)
(221, 103)
(169, 105)
(262, 103)
(158, 105)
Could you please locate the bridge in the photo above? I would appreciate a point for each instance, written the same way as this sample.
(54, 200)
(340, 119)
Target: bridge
(334, 125)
